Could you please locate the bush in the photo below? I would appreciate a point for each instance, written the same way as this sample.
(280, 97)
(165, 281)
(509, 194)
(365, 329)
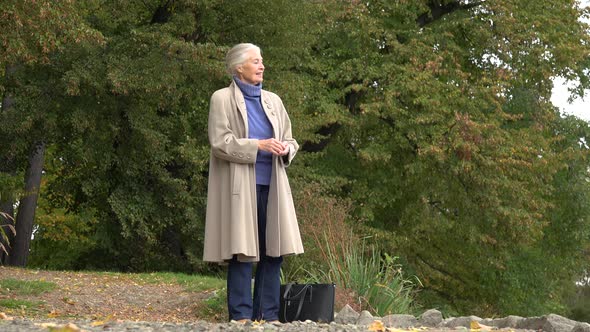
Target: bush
(579, 304)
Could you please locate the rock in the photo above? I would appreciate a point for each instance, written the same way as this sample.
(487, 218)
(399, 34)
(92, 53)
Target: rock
(347, 316)
(548, 323)
(431, 318)
(581, 327)
(400, 321)
(461, 321)
(365, 318)
(505, 322)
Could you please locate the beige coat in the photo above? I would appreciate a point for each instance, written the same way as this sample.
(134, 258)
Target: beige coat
(231, 222)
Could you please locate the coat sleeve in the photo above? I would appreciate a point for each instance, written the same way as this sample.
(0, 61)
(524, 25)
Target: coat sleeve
(224, 142)
(287, 135)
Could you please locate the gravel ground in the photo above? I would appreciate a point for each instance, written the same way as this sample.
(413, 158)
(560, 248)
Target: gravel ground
(18, 325)
(116, 326)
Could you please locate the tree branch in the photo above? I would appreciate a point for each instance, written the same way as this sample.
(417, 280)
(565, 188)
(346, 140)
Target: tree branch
(162, 13)
(328, 131)
(438, 10)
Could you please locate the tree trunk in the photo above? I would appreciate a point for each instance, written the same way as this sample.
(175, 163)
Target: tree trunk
(26, 207)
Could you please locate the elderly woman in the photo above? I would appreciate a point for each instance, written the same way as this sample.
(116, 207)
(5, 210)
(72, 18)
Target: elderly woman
(250, 212)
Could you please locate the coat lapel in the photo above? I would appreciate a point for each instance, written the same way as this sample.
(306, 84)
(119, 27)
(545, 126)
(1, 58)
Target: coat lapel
(271, 114)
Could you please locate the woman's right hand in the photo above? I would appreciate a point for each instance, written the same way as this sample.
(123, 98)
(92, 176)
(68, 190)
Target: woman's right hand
(273, 146)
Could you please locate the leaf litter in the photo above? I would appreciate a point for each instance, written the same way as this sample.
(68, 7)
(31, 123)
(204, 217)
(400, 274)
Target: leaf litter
(106, 297)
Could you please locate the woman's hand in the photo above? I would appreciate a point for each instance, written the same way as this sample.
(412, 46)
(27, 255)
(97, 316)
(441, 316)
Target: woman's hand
(273, 146)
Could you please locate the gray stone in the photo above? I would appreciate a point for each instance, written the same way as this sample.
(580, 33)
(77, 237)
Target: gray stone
(431, 318)
(548, 323)
(581, 327)
(365, 318)
(400, 321)
(510, 321)
(346, 316)
(531, 323)
(461, 321)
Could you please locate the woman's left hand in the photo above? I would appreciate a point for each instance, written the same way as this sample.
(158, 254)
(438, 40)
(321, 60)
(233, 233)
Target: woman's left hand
(285, 149)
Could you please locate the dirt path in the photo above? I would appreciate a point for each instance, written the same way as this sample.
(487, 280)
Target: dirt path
(106, 297)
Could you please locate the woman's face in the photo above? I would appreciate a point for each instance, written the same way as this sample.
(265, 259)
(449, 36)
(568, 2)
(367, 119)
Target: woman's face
(252, 70)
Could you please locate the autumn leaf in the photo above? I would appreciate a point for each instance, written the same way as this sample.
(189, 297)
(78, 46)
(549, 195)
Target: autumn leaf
(4, 316)
(53, 314)
(377, 326)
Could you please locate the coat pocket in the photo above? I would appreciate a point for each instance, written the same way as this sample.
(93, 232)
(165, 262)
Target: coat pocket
(236, 178)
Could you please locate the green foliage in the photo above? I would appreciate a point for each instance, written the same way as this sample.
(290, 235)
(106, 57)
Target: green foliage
(579, 303)
(25, 287)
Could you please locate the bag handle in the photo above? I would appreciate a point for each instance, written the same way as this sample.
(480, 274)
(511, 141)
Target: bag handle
(298, 295)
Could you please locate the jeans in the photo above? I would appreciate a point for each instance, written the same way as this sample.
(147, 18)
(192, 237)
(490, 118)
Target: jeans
(267, 282)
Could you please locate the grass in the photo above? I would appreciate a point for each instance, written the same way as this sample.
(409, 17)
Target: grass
(190, 282)
(17, 306)
(214, 308)
(25, 287)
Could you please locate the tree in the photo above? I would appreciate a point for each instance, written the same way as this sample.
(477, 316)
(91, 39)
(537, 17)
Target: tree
(448, 142)
(31, 32)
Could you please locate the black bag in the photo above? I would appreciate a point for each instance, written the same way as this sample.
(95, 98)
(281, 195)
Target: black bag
(302, 302)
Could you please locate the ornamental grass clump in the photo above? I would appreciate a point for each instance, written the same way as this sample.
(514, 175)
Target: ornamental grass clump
(336, 253)
(376, 278)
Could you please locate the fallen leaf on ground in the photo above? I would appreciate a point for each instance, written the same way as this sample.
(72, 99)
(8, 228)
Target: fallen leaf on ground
(377, 326)
(69, 327)
(53, 314)
(4, 316)
(46, 325)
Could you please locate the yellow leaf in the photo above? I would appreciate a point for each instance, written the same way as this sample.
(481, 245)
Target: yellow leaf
(4, 316)
(47, 325)
(53, 314)
(474, 325)
(377, 326)
(70, 327)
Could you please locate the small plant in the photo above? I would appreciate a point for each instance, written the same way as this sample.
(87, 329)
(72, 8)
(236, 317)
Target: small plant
(3, 235)
(214, 308)
(377, 280)
(25, 287)
(19, 304)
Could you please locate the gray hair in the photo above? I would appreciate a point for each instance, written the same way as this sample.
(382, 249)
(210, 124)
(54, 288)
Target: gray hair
(237, 56)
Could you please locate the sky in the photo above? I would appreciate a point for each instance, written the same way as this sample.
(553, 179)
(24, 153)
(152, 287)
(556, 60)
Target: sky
(579, 107)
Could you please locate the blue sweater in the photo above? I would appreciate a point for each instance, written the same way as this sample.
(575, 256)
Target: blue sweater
(258, 127)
